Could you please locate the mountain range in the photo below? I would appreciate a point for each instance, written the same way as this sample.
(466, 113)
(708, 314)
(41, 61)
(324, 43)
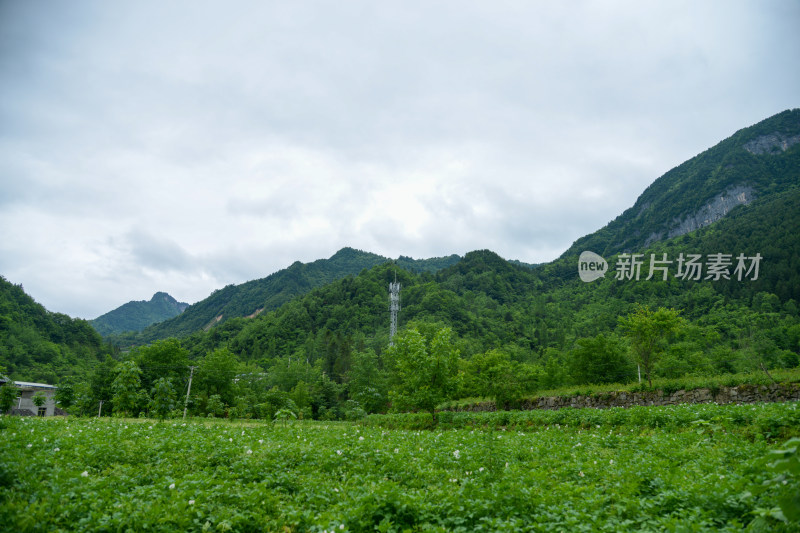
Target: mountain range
(257, 296)
(738, 197)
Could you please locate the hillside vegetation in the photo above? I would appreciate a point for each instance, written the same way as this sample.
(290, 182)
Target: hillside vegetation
(481, 326)
(254, 297)
(41, 346)
(135, 316)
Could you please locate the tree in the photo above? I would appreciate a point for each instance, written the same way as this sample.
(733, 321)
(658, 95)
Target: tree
(100, 387)
(216, 373)
(65, 395)
(163, 398)
(425, 369)
(366, 383)
(39, 399)
(214, 406)
(127, 388)
(495, 375)
(8, 395)
(648, 331)
(600, 359)
(163, 359)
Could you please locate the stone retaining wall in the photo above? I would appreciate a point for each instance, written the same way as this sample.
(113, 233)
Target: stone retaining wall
(781, 392)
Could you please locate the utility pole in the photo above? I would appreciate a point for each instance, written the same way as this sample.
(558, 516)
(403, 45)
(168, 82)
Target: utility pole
(100, 410)
(186, 403)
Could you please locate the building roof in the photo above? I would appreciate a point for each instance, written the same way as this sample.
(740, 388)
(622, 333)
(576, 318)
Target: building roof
(34, 385)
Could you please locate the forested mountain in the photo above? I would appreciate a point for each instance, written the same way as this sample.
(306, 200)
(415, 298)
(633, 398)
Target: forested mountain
(255, 297)
(37, 345)
(315, 337)
(755, 162)
(135, 316)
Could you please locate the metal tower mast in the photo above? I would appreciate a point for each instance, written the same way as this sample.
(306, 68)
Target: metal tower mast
(394, 307)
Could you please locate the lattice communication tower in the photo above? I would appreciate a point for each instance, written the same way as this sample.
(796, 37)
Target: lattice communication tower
(394, 308)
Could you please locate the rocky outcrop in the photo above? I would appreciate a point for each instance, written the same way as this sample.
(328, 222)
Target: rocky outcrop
(780, 392)
(771, 144)
(716, 208)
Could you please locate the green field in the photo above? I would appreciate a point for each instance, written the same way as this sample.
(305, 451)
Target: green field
(687, 468)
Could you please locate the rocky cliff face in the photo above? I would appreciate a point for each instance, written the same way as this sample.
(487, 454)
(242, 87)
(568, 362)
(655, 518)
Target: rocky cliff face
(771, 144)
(716, 208)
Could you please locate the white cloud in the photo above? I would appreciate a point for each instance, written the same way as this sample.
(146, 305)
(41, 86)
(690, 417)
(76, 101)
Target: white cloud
(181, 147)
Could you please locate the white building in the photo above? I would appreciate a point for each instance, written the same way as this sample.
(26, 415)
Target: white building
(26, 393)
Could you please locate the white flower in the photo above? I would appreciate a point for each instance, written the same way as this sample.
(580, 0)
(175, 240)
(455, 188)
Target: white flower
(360, 438)
(243, 433)
(338, 452)
(397, 450)
(261, 441)
(480, 469)
(230, 439)
(249, 452)
(580, 473)
(611, 462)
(457, 454)
(341, 526)
(84, 474)
(30, 445)
(172, 485)
(191, 502)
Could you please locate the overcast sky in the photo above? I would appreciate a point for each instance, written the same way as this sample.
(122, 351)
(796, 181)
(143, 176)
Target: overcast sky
(182, 146)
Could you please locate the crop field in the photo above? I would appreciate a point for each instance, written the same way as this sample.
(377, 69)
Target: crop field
(688, 468)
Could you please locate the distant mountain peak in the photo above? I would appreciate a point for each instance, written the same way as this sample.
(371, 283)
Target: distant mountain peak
(164, 296)
(137, 315)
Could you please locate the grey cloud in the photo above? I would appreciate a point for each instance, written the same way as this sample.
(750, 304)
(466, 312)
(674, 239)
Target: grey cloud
(158, 253)
(276, 130)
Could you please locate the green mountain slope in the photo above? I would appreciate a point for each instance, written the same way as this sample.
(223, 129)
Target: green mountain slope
(539, 319)
(135, 316)
(319, 332)
(255, 297)
(540, 316)
(755, 162)
(40, 346)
